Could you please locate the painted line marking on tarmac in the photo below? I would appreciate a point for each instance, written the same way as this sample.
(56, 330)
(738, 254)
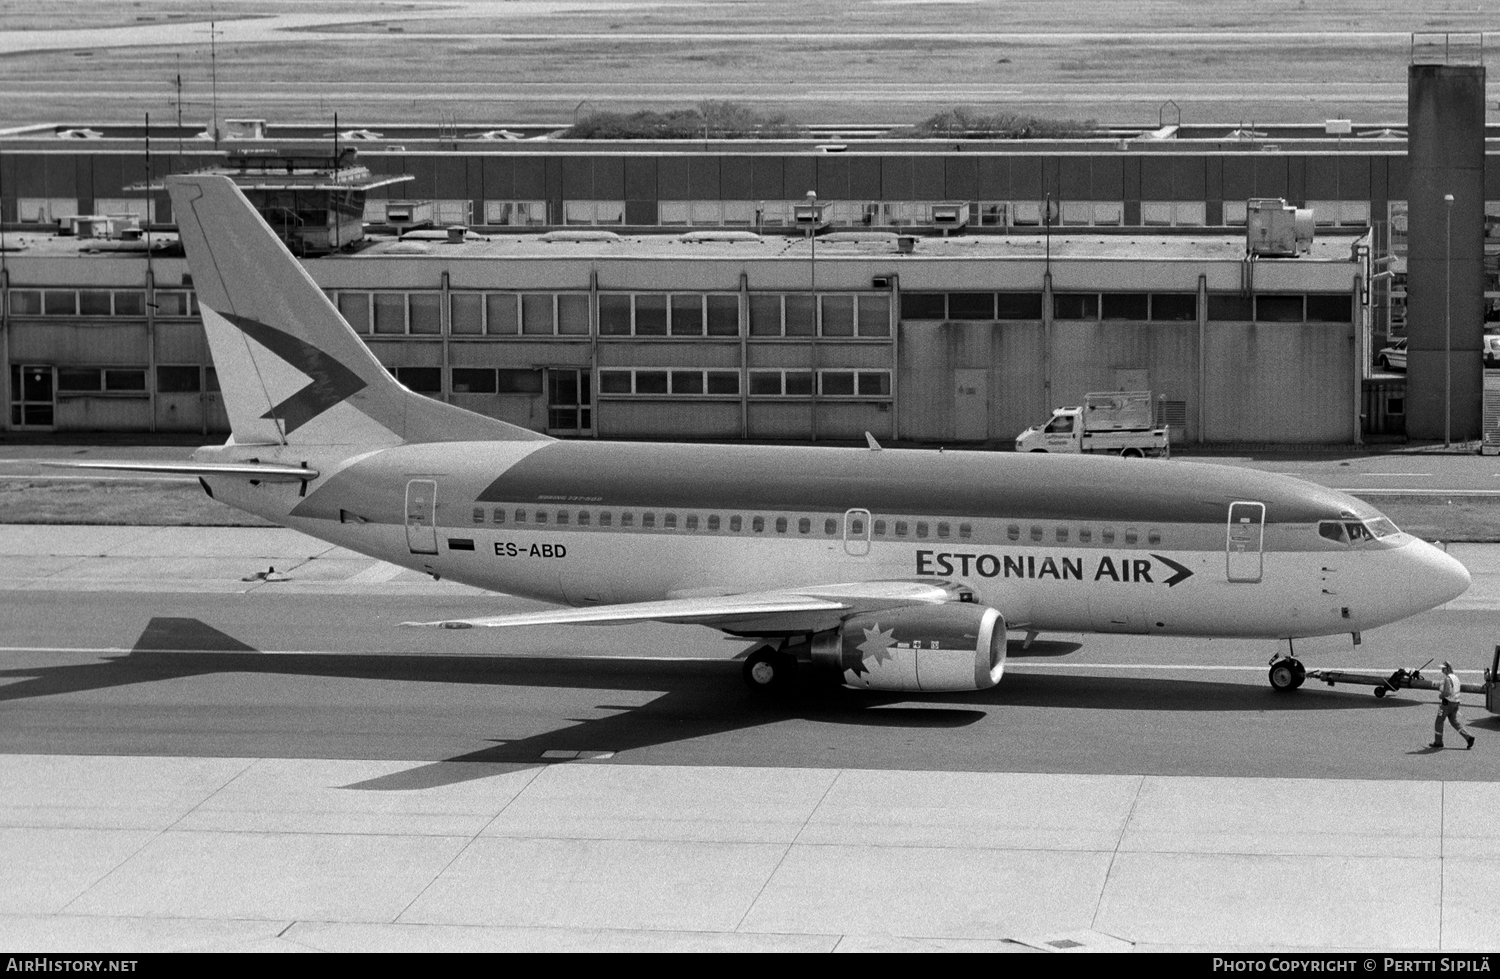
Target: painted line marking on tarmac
(1395, 474)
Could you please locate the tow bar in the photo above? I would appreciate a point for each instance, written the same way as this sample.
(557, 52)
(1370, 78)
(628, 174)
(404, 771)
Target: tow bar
(1414, 680)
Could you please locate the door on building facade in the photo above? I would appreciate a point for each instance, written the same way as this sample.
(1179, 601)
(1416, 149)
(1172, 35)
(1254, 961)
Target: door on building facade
(570, 403)
(421, 516)
(33, 399)
(1246, 537)
(971, 397)
(215, 415)
(179, 398)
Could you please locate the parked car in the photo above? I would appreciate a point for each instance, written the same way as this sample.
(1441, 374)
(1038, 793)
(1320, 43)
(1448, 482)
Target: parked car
(1492, 350)
(1393, 356)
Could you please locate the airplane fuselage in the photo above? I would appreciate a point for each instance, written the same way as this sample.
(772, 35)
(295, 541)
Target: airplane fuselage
(1056, 544)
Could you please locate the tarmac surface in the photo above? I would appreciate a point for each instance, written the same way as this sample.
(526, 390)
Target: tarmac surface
(193, 760)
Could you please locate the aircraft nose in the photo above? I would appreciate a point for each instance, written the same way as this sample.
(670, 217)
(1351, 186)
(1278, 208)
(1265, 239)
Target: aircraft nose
(1437, 577)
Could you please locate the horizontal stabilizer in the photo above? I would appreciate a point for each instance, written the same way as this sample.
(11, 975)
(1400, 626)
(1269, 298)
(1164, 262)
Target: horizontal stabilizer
(264, 471)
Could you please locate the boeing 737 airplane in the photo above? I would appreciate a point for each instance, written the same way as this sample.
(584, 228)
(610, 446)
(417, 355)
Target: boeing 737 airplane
(890, 569)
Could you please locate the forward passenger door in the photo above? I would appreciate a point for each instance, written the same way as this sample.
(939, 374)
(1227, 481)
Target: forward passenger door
(1245, 541)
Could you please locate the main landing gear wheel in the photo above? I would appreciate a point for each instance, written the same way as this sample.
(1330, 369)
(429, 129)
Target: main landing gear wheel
(770, 671)
(1287, 674)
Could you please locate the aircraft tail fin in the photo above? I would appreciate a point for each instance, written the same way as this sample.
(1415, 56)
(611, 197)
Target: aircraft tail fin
(291, 369)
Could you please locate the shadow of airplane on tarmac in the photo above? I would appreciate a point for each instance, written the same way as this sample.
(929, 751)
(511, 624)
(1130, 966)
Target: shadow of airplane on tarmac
(701, 698)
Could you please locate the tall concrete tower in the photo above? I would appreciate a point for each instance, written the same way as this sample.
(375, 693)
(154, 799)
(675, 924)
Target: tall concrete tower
(1445, 237)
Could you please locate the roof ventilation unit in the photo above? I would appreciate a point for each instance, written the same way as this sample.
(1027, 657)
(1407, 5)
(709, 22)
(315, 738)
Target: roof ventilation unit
(1276, 229)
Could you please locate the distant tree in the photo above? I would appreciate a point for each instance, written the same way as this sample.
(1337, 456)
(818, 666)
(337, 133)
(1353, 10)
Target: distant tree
(962, 122)
(708, 120)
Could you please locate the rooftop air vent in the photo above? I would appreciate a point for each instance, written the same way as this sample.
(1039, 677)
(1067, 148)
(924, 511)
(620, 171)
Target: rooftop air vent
(563, 237)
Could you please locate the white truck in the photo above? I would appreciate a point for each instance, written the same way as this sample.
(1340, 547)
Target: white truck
(1118, 422)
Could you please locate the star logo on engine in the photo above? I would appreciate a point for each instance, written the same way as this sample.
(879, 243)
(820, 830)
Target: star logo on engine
(877, 645)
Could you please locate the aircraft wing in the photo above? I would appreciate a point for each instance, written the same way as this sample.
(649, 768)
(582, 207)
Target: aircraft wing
(265, 471)
(813, 607)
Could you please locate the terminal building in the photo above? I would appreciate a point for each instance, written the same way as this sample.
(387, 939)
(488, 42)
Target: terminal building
(939, 292)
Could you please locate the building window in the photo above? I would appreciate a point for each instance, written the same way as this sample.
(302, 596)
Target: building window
(422, 380)
(515, 213)
(1075, 306)
(425, 313)
(1278, 309)
(1174, 306)
(924, 305)
(466, 313)
(1124, 306)
(474, 380)
(1231, 307)
(1329, 308)
(171, 379)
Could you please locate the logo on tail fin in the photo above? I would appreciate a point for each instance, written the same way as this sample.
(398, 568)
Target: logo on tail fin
(331, 383)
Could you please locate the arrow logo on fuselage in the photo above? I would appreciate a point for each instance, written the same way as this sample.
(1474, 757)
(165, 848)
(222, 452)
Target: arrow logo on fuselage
(331, 383)
(1180, 572)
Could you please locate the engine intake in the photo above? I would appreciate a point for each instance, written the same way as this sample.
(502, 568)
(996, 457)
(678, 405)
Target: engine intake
(932, 648)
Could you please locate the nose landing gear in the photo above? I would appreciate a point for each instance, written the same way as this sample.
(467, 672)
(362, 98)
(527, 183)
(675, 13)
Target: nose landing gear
(1287, 673)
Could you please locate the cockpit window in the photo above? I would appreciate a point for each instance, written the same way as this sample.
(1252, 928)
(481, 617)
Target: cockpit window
(1356, 532)
(1333, 530)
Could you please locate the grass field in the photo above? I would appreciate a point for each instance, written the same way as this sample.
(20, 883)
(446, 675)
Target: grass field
(821, 61)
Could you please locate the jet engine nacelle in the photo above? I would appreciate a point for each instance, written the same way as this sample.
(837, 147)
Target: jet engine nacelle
(956, 646)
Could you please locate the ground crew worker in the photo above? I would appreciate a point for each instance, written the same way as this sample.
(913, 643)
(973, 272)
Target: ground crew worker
(1448, 708)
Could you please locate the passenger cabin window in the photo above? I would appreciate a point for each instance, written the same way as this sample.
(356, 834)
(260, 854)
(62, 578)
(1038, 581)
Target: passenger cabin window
(943, 529)
(583, 518)
(758, 524)
(479, 514)
(606, 518)
(1130, 535)
(562, 518)
(1036, 534)
(880, 528)
(1062, 535)
(541, 516)
(734, 524)
(1153, 537)
(857, 528)
(1107, 535)
(965, 531)
(1085, 535)
(804, 525)
(1012, 532)
(520, 516)
(830, 527)
(499, 515)
(627, 519)
(692, 521)
(648, 521)
(781, 525)
(713, 521)
(901, 528)
(921, 529)
(669, 521)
